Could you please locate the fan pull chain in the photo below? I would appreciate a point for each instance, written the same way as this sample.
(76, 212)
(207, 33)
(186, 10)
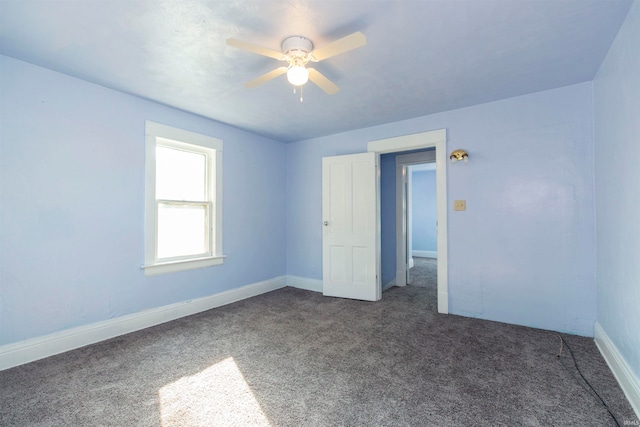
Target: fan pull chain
(294, 92)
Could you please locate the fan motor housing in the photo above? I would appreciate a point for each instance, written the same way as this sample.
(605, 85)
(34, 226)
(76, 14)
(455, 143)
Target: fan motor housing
(296, 44)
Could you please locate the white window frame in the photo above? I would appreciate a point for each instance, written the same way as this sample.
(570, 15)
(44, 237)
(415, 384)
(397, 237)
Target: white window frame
(158, 134)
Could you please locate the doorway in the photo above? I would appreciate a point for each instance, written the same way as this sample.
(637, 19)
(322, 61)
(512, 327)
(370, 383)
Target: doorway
(422, 246)
(435, 140)
(404, 247)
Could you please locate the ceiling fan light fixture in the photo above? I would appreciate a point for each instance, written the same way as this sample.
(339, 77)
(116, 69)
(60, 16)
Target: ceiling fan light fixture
(298, 51)
(297, 75)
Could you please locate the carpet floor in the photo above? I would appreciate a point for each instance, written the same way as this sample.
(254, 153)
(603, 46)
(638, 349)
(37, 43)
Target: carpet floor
(295, 358)
(424, 273)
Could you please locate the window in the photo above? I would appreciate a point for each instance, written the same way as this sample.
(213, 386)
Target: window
(183, 203)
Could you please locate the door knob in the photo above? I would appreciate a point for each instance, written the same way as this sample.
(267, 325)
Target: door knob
(326, 223)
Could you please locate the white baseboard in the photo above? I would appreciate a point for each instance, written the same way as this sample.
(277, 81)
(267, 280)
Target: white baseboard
(314, 285)
(38, 348)
(425, 254)
(412, 263)
(626, 378)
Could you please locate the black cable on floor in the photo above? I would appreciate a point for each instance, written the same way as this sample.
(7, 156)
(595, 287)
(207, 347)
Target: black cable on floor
(604, 404)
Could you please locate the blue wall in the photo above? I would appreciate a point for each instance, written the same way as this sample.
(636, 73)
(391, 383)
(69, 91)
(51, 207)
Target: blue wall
(524, 250)
(72, 205)
(617, 149)
(423, 211)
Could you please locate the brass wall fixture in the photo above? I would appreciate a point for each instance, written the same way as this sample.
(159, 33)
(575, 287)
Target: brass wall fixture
(459, 155)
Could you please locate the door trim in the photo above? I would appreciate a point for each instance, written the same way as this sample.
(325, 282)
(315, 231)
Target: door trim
(416, 141)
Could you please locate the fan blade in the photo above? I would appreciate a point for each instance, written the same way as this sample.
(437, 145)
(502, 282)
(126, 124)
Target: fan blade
(340, 46)
(323, 83)
(255, 49)
(266, 77)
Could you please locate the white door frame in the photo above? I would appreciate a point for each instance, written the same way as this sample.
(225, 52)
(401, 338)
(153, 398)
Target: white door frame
(403, 238)
(416, 141)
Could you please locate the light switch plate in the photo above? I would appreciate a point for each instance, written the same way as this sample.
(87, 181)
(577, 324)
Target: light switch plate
(459, 205)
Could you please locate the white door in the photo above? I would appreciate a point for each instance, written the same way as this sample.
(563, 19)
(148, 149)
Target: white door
(349, 240)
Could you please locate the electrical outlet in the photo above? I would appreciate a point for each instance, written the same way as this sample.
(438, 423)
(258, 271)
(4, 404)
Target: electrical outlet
(459, 205)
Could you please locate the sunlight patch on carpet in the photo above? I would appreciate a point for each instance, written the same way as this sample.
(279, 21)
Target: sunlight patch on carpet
(218, 396)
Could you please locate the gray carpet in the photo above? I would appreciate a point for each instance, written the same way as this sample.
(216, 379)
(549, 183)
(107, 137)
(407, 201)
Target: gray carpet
(296, 358)
(424, 273)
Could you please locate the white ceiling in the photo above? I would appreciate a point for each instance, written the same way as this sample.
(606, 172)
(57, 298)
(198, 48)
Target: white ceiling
(421, 57)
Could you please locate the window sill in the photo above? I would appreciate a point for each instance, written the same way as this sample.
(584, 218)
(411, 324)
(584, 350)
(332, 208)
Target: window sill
(182, 265)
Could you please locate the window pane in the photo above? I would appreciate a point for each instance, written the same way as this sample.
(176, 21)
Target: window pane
(181, 230)
(180, 175)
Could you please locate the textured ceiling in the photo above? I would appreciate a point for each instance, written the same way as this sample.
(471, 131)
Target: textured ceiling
(421, 57)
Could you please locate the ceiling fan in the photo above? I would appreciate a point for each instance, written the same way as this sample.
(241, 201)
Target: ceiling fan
(298, 51)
